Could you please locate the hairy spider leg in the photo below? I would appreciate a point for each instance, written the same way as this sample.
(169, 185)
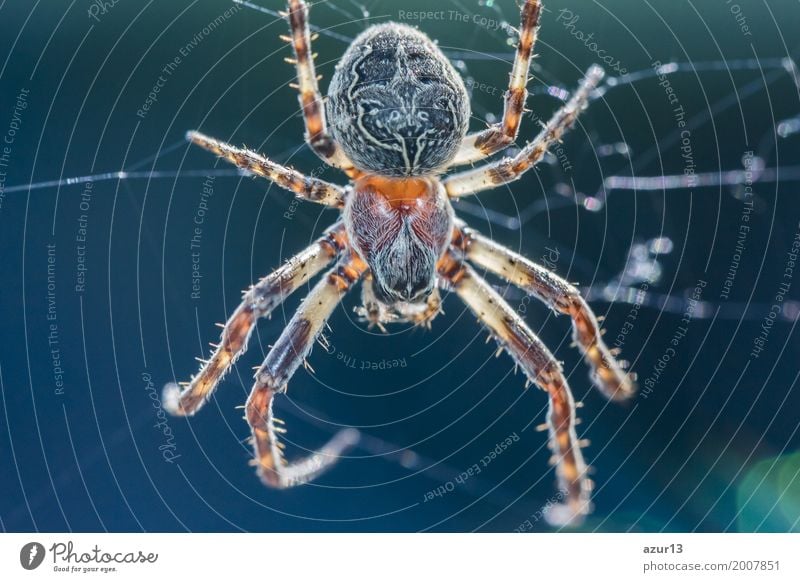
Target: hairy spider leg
(311, 103)
(291, 349)
(375, 313)
(540, 367)
(258, 302)
(559, 295)
(499, 136)
(510, 169)
(306, 187)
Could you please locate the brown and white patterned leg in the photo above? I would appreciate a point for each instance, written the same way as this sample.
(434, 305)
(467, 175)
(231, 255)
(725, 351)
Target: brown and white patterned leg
(372, 311)
(510, 169)
(540, 367)
(258, 301)
(477, 146)
(317, 136)
(562, 297)
(308, 188)
(272, 377)
(375, 313)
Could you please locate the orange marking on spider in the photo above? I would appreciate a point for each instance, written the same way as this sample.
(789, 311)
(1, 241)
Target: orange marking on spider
(399, 113)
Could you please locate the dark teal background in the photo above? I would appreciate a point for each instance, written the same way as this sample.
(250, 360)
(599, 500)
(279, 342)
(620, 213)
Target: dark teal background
(714, 447)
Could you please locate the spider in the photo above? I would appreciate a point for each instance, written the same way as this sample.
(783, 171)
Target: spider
(399, 113)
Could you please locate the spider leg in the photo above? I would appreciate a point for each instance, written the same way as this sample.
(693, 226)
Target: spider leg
(540, 367)
(317, 136)
(284, 358)
(258, 301)
(305, 187)
(482, 144)
(510, 169)
(562, 297)
(372, 311)
(375, 313)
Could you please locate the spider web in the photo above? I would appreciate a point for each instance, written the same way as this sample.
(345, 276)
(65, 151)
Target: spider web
(560, 193)
(646, 256)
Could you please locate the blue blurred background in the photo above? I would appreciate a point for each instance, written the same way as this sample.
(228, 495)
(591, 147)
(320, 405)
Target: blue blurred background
(98, 307)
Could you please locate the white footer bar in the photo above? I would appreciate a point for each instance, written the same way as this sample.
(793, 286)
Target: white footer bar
(401, 557)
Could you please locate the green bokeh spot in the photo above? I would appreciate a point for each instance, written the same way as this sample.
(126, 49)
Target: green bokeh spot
(768, 498)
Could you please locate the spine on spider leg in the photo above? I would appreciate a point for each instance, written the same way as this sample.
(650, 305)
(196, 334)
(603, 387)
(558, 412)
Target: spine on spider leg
(298, 337)
(517, 92)
(607, 373)
(283, 360)
(258, 301)
(503, 134)
(540, 367)
(310, 98)
(272, 467)
(306, 187)
(574, 486)
(552, 132)
(510, 169)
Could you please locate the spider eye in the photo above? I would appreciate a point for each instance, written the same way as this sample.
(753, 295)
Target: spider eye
(394, 115)
(423, 116)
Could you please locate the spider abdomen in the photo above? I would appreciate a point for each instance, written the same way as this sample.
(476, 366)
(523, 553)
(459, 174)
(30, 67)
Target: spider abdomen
(396, 105)
(400, 228)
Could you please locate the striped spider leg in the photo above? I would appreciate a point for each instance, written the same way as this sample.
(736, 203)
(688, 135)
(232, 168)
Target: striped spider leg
(541, 368)
(311, 189)
(511, 331)
(284, 358)
(258, 302)
(311, 102)
(510, 169)
(397, 232)
(270, 292)
(559, 295)
(499, 136)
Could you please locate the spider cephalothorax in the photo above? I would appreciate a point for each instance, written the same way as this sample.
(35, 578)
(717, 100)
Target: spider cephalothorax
(400, 228)
(402, 108)
(399, 115)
